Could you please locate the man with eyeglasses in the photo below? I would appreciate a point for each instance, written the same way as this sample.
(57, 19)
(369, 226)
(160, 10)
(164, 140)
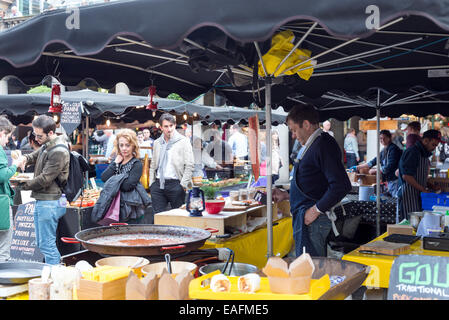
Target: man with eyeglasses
(51, 172)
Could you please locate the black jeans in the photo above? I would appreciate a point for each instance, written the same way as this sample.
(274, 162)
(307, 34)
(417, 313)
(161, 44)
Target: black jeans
(172, 193)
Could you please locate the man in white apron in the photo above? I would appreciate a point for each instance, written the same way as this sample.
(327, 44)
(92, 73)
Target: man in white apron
(413, 172)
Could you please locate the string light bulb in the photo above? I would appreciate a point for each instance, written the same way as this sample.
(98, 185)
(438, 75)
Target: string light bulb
(185, 116)
(108, 123)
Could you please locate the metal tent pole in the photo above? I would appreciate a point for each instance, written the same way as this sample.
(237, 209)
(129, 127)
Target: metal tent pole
(268, 81)
(378, 165)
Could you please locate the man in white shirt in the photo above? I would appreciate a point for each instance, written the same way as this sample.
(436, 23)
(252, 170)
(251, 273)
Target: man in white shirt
(239, 143)
(171, 168)
(143, 143)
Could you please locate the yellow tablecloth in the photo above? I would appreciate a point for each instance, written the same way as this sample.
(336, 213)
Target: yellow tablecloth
(252, 247)
(379, 276)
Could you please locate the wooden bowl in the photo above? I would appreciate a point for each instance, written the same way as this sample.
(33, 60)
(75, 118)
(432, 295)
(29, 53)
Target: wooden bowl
(177, 267)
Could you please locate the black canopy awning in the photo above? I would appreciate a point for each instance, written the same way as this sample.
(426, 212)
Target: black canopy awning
(191, 47)
(23, 107)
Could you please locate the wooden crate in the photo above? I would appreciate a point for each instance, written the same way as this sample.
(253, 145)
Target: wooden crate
(94, 290)
(181, 217)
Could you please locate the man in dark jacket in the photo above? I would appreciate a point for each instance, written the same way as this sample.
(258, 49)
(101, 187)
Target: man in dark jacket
(389, 162)
(319, 181)
(51, 170)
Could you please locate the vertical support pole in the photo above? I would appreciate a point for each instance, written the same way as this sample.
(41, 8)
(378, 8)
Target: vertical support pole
(378, 166)
(86, 148)
(268, 82)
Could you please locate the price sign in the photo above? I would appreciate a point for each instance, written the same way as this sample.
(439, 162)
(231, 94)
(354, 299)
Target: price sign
(419, 277)
(23, 244)
(71, 116)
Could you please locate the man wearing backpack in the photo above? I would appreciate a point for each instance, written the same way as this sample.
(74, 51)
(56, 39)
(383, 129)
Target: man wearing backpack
(51, 171)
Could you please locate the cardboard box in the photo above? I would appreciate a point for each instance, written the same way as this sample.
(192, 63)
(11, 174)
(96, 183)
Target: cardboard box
(367, 179)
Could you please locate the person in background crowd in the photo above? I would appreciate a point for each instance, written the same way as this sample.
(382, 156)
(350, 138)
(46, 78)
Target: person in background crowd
(25, 141)
(146, 134)
(219, 150)
(31, 143)
(443, 147)
(6, 172)
(276, 159)
(389, 162)
(47, 6)
(12, 142)
(155, 132)
(51, 171)
(319, 182)
(327, 127)
(413, 129)
(361, 141)
(143, 143)
(147, 142)
(238, 142)
(413, 172)
(201, 158)
(15, 13)
(171, 168)
(398, 139)
(2, 14)
(107, 139)
(351, 148)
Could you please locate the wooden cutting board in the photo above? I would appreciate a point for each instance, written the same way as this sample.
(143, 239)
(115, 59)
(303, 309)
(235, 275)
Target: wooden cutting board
(230, 207)
(386, 247)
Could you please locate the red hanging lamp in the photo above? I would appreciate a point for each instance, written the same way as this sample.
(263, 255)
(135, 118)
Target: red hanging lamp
(55, 102)
(152, 105)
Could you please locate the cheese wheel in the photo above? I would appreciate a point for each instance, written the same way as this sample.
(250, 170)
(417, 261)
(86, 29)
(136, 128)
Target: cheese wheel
(220, 283)
(249, 283)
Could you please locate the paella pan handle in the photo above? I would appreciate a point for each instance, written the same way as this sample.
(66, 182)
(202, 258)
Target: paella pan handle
(211, 230)
(118, 224)
(69, 240)
(173, 247)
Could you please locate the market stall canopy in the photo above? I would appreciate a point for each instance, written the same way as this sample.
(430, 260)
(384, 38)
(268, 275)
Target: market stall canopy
(417, 101)
(23, 107)
(355, 45)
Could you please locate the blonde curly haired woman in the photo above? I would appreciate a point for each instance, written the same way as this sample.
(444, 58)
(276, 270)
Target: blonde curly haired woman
(126, 146)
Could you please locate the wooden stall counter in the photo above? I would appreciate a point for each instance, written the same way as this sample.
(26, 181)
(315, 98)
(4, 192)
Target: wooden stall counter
(380, 265)
(181, 217)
